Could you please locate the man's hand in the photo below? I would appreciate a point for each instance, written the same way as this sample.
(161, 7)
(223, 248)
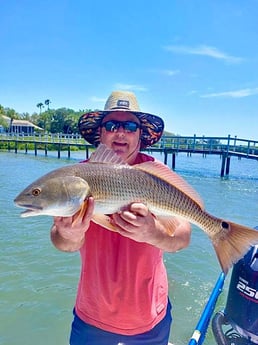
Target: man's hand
(136, 222)
(68, 233)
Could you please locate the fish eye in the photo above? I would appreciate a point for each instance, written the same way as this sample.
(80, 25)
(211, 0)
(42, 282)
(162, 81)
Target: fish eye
(36, 191)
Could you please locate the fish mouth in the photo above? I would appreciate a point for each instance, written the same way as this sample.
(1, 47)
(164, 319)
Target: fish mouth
(28, 206)
(30, 210)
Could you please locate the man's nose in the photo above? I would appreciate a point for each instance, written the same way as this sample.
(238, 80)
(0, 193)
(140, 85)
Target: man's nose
(121, 129)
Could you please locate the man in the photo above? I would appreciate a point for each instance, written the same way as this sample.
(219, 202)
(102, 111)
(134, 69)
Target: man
(123, 291)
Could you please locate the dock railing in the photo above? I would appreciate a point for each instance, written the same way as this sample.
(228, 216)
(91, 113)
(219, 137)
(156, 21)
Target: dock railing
(178, 143)
(209, 144)
(226, 147)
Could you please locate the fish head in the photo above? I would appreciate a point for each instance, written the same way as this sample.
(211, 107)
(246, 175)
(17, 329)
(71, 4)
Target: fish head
(53, 196)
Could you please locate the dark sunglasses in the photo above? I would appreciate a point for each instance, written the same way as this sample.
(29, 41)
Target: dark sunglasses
(113, 125)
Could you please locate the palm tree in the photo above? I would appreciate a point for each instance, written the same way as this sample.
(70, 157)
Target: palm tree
(47, 102)
(2, 111)
(40, 106)
(11, 113)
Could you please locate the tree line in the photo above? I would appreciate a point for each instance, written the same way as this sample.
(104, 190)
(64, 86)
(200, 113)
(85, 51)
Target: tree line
(61, 120)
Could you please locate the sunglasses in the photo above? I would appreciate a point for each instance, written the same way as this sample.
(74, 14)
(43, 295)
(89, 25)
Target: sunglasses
(113, 126)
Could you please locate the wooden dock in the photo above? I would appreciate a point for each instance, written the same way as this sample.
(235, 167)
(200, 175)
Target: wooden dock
(225, 147)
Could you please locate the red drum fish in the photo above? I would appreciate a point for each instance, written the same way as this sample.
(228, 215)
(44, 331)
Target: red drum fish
(114, 184)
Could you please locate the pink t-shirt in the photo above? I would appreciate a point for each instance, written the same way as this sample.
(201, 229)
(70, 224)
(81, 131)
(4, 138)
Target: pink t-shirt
(123, 286)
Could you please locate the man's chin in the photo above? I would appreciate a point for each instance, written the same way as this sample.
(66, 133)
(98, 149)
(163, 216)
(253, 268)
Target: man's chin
(121, 153)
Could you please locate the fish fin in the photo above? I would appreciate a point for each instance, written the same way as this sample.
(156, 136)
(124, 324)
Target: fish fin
(103, 220)
(169, 223)
(232, 243)
(164, 173)
(103, 154)
(79, 214)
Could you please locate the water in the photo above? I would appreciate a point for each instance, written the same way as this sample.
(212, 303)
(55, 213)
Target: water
(38, 283)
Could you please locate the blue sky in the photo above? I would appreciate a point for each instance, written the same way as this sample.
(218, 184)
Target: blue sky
(193, 62)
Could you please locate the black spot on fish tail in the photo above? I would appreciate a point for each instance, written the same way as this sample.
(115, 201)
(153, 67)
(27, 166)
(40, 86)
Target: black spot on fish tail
(225, 225)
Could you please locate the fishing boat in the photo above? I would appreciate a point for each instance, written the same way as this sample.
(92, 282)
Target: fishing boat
(237, 324)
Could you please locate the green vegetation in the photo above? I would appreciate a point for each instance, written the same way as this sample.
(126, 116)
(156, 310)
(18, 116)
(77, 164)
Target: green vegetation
(61, 120)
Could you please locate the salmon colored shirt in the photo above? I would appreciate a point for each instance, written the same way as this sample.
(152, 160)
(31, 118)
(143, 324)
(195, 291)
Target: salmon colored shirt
(123, 286)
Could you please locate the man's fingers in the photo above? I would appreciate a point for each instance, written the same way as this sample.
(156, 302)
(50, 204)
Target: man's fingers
(139, 208)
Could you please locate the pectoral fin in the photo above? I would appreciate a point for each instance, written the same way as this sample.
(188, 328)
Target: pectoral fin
(81, 212)
(169, 223)
(104, 220)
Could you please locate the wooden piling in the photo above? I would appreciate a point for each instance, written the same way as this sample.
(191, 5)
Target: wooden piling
(59, 150)
(165, 156)
(173, 160)
(222, 171)
(87, 152)
(227, 165)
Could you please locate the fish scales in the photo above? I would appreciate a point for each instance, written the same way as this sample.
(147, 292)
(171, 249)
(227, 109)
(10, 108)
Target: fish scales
(123, 185)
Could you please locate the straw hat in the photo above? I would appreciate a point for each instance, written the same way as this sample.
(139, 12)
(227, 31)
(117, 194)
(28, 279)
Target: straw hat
(152, 126)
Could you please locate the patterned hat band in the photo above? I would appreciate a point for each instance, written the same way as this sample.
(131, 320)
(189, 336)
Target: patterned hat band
(152, 126)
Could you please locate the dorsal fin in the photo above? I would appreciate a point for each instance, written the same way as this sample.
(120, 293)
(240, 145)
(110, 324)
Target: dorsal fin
(103, 154)
(164, 173)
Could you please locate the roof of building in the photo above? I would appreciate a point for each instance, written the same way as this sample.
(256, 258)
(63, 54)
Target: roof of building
(21, 123)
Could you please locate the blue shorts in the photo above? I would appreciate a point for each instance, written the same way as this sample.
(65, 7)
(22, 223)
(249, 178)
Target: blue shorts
(85, 334)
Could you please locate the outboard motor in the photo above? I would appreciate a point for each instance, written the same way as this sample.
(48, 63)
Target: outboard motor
(238, 323)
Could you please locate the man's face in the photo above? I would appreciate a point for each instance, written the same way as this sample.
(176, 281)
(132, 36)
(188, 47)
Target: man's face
(124, 142)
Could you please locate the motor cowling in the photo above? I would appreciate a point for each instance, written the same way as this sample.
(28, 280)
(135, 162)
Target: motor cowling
(242, 302)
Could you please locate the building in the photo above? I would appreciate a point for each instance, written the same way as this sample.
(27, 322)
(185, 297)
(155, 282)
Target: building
(21, 126)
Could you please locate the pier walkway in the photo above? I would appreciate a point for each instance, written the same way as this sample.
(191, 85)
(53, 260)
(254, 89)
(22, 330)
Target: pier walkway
(225, 147)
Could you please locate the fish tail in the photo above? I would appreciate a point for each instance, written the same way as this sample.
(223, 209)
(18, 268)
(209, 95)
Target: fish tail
(232, 243)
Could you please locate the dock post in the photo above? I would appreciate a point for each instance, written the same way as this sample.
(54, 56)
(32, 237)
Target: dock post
(69, 151)
(59, 151)
(222, 171)
(173, 160)
(35, 148)
(227, 165)
(45, 149)
(16, 147)
(165, 156)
